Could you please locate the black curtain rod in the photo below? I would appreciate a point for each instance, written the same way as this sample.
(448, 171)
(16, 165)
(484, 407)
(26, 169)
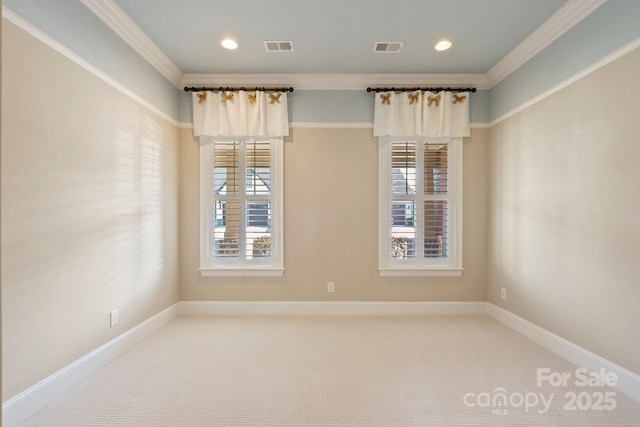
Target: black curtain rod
(235, 89)
(423, 89)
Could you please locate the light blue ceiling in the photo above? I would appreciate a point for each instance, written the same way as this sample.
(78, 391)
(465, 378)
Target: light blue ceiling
(337, 36)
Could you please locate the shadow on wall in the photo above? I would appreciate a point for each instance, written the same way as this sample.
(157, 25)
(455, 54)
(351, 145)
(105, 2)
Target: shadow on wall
(82, 230)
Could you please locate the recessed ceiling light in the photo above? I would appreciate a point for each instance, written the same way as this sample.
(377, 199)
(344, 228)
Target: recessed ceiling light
(443, 45)
(229, 44)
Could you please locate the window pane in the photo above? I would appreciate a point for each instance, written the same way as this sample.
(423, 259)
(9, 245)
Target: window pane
(258, 223)
(226, 229)
(436, 169)
(225, 168)
(403, 167)
(258, 171)
(403, 229)
(436, 229)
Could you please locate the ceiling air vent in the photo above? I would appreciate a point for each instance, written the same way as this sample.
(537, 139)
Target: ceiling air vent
(387, 47)
(278, 46)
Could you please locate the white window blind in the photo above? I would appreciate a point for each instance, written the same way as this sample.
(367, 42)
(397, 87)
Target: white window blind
(436, 200)
(420, 211)
(241, 211)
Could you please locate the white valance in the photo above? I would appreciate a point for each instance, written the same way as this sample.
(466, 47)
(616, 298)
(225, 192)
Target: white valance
(422, 114)
(240, 114)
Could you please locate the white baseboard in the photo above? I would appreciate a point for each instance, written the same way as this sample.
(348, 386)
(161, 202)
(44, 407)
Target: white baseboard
(27, 403)
(330, 308)
(24, 405)
(628, 382)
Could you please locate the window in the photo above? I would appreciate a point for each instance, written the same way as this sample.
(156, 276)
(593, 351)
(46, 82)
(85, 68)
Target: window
(420, 213)
(241, 208)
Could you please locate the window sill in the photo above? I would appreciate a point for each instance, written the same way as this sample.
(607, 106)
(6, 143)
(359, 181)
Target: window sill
(240, 272)
(410, 272)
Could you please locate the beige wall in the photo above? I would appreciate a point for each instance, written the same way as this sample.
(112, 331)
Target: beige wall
(565, 213)
(89, 211)
(331, 224)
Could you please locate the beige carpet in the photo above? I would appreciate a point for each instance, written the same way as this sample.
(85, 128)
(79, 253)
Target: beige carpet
(334, 371)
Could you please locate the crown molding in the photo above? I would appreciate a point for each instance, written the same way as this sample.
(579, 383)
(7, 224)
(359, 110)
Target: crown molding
(565, 18)
(336, 81)
(570, 14)
(45, 38)
(111, 14)
(602, 62)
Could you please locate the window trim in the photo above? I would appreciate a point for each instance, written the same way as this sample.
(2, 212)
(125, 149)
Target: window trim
(386, 266)
(275, 267)
(258, 271)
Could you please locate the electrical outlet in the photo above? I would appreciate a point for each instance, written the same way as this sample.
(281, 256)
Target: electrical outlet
(329, 286)
(503, 293)
(113, 318)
